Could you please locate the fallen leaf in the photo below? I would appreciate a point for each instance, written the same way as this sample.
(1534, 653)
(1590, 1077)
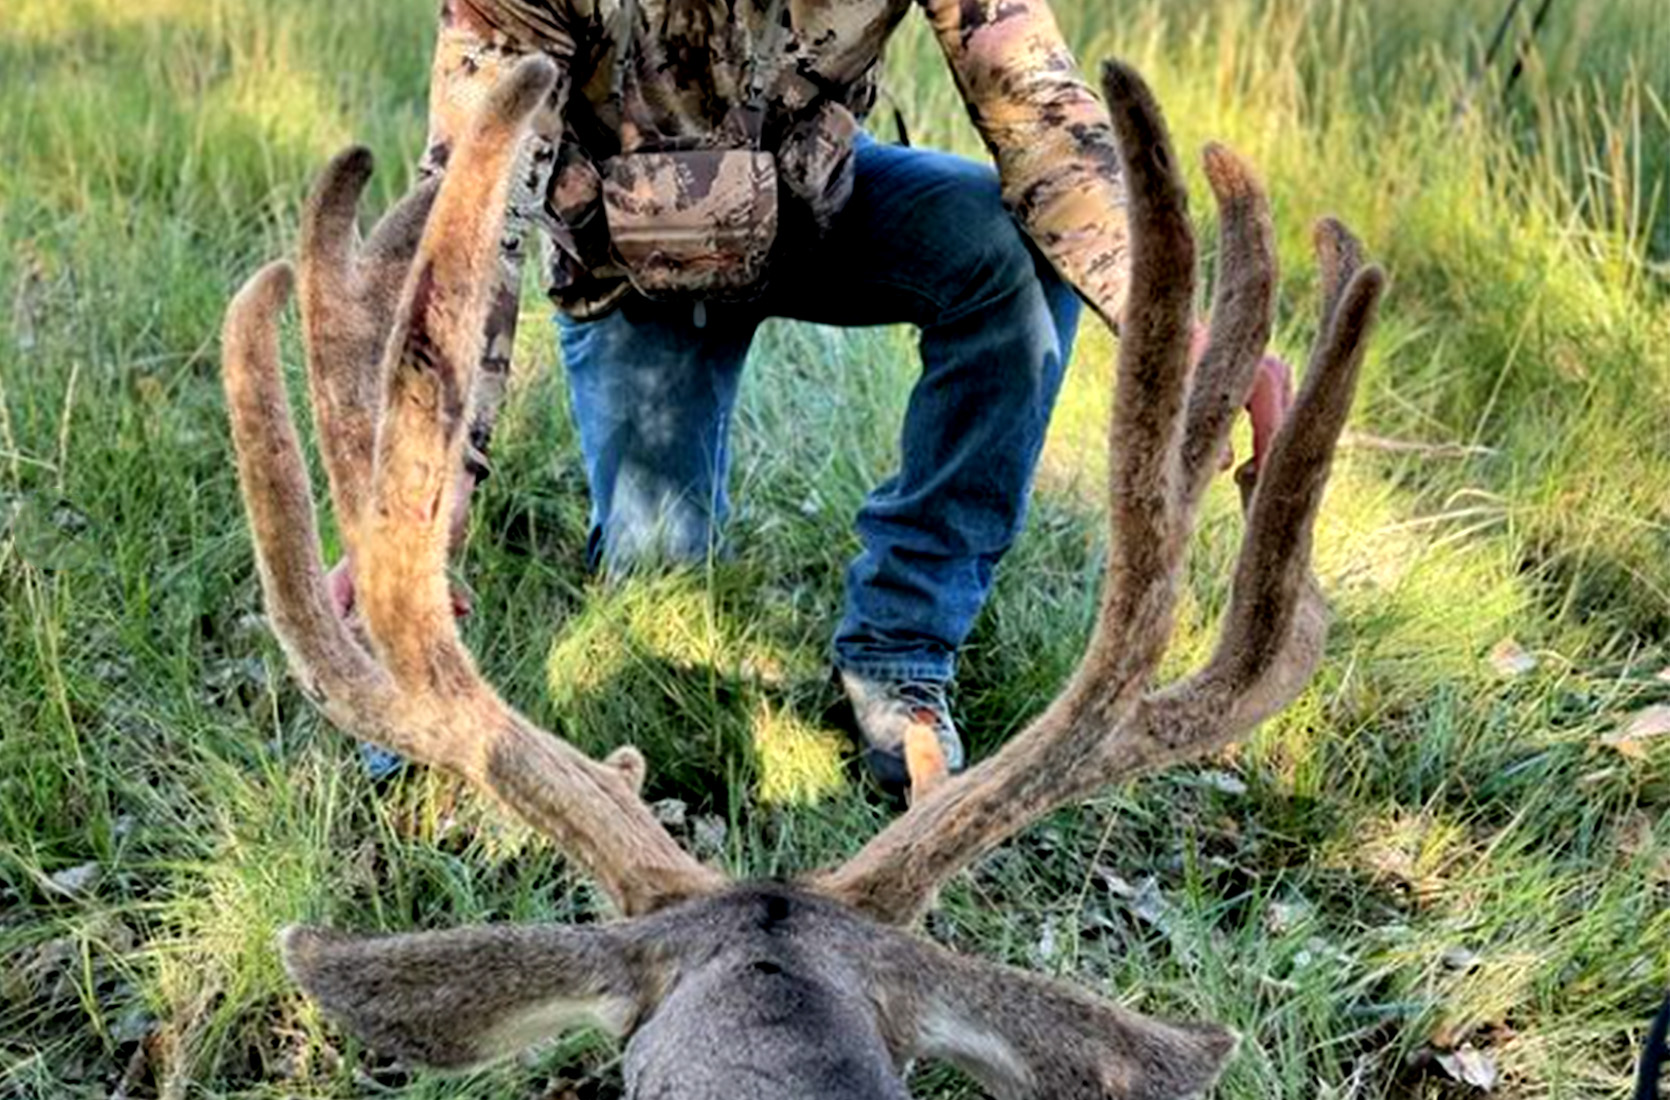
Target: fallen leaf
(1145, 900)
(1446, 1035)
(1284, 916)
(1510, 659)
(1318, 950)
(1045, 948)
(1643, 725)
(1623, 746)
(1636, 842)
(1470, 1066)
(1650, 722)
(27, 303)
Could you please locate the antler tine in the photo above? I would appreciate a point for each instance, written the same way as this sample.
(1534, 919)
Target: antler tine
(1103, 727)
(430, 365)
(421, 696)
(1340, 256)
(1148, 531)
(1272, 636)
(348, 294)
(331, 667)
(1056, 759)
(1273, 570)
(1243, 314)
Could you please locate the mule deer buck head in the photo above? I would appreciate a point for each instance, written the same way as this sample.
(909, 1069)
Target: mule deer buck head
(812, 988)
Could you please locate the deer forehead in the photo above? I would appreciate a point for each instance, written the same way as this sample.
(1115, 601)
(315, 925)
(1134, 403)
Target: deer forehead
(763, 921)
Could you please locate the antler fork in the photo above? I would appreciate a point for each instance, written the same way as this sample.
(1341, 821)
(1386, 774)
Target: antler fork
(393, 333)
(1170, 425)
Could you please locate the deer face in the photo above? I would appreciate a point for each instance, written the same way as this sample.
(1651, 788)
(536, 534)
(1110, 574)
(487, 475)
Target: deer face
(816, 989)
(759, 992)
(770, 997)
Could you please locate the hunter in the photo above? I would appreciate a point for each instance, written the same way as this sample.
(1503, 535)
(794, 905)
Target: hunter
(704, 167)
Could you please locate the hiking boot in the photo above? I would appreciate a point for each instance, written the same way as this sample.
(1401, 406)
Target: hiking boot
(909, 741)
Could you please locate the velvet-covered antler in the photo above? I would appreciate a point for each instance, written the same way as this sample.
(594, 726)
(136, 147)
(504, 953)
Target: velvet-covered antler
(1170, 425)
(393, 333)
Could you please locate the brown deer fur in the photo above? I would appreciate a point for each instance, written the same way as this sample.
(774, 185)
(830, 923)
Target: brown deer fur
(815, 989)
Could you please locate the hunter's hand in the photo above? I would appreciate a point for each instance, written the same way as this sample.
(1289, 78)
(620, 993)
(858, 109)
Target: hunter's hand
(339, 582)
(1267, 405)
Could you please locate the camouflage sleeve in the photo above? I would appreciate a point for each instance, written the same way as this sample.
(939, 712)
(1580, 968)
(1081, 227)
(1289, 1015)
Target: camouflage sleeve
(473, 51)
(1049, 134)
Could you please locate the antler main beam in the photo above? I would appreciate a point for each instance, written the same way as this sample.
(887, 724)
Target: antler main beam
(393, 331)
(1169, 427)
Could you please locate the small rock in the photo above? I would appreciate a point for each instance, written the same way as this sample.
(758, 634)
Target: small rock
(1284, 916)
(75, 881)
(1460, 958)
(1223, 782)
(709, 832)
(671, 812)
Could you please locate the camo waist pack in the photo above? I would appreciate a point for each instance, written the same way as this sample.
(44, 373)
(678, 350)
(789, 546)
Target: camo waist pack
(695, 222)
(700, 222)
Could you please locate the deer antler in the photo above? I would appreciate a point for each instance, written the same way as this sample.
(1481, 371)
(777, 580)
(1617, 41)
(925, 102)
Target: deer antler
(1169, 427)
(393, 331)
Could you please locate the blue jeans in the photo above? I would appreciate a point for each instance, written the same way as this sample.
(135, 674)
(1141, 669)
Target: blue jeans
(924, 241)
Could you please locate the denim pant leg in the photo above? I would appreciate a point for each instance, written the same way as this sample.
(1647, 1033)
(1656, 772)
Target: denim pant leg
(926, 240)
(652, 395)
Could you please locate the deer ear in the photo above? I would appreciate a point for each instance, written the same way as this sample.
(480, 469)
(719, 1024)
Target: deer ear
(1021, 1035)
(458, 998)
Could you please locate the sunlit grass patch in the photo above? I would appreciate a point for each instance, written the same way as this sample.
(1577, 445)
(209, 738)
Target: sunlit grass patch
(277, 853)
(280, 107)
(800, 763)
(1418, 598)
(667, 663)
(61, 21)
(639, 665)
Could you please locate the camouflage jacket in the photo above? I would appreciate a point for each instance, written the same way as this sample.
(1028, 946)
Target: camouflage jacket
(1047, 131)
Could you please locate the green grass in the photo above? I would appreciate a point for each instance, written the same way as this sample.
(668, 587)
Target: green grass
(1415, 806)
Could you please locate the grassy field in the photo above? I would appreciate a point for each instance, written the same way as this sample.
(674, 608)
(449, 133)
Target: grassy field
(1448, 855)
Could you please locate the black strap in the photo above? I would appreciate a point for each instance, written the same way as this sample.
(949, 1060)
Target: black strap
(898, 115)
(765, 64)
(1650, 1075)
(624, 36)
